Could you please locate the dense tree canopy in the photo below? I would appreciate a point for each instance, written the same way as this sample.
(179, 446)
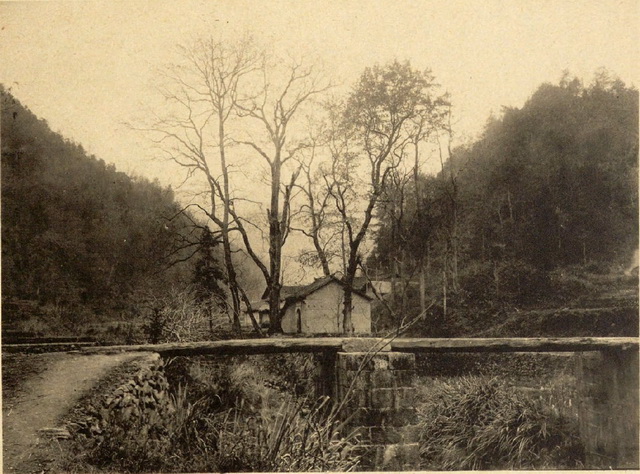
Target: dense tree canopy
(75, 231)
(548, 185)
(556, 182)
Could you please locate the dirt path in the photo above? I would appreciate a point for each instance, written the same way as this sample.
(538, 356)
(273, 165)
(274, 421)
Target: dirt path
(46, 397)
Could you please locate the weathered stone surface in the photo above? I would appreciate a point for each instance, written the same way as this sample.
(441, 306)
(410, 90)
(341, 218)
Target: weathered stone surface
(319, 344)
(404, 378)
(402, 361)
(398, 457)
(357, 399)
(382, 398)
(405, 397)
(383, 379)
(365, 345)
(378, 393)
(608, 408)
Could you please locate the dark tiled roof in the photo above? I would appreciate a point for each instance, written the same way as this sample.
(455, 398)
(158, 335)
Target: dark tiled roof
(292, 293)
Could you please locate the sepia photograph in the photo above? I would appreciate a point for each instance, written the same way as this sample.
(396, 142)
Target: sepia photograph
(328, 236)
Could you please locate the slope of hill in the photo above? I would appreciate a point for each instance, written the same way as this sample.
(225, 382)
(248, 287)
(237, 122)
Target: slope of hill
(78, 236)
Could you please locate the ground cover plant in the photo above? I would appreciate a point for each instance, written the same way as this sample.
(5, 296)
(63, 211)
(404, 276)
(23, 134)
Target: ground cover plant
(479, 422)
(232, 416)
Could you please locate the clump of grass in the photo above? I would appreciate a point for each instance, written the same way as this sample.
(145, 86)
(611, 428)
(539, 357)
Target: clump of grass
(231, 422)
(481, 423)
(295, 438)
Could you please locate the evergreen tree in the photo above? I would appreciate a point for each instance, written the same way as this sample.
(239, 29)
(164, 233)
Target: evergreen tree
(208, 276)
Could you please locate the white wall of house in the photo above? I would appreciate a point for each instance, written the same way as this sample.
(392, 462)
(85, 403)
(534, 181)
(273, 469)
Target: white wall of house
(321, 312)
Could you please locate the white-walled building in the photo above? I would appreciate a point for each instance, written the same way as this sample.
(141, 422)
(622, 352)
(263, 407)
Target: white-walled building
(317, 308)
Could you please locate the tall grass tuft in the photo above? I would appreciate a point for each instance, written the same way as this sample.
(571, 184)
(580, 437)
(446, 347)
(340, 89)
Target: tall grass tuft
(295, 438)
(231, 422)
(481, 423)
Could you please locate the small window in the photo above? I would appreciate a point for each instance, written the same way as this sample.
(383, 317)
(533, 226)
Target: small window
(299, 320)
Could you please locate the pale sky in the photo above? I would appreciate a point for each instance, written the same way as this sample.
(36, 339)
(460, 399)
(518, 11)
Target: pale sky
(87, 67)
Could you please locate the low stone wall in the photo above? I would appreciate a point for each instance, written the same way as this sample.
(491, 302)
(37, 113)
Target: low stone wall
(144, 397)
(378, 392)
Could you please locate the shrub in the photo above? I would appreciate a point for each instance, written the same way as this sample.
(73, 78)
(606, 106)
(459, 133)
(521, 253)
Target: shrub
(477, 282)
(179, 316)
(479, 423)
(294, 438)
(291, 373)
(228, 420)
(569, 283)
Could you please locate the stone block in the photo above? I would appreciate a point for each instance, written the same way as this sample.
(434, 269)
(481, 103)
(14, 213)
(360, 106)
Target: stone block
(404, 378)
(402, 361)
(365, 344)
(382, 398)
(362, 378)
(608, 410)
(358, 398)
(378, 362)
(398, 457)
(405, 397)
(354, 361)
(383, 379)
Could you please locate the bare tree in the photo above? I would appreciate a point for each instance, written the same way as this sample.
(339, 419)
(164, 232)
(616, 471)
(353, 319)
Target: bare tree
(202, 94)
(450, 189)
(218, 84)
(318, 219)
(274, 108)
(371, 133)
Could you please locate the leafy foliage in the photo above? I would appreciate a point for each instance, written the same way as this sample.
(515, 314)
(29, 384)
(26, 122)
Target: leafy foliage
(480, 423)
(555, 183)
(548, 186)
(227, 421)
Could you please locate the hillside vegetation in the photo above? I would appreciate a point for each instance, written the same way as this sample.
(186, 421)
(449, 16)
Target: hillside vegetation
(81, 241)
(538, 213)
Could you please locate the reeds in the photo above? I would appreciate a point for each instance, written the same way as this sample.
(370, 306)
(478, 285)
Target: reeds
(481, 423)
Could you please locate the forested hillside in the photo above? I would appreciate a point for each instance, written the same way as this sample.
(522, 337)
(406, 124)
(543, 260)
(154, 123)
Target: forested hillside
(79, 238)
(556, 182)
(549, 190)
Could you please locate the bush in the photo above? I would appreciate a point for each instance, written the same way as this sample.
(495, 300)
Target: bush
(295, 438)
(479, 423)
(179, 316)
(477, 282)
(141, 427)
(569, 283)
(511, 281)
(521, 282)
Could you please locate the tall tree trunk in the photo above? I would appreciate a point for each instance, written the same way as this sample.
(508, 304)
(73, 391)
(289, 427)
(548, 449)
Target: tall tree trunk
(405, 283)
(275, 249)
(423, 288)
(444, 282)
(347, 320)
(232, 279)
(454, 250)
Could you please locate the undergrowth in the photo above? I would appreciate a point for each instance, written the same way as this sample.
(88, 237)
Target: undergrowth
(474, 423)
(227, 420)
